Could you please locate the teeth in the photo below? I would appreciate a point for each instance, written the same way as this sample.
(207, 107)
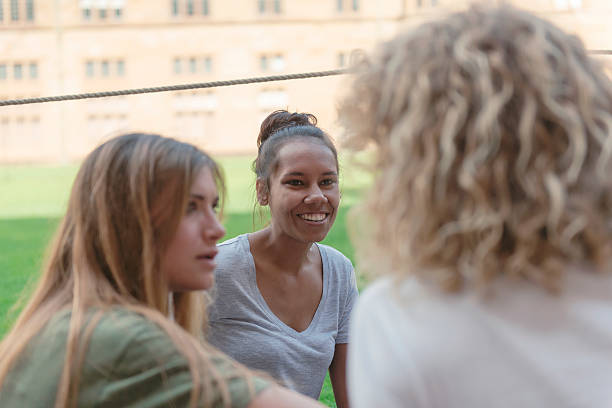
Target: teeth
(313, 217)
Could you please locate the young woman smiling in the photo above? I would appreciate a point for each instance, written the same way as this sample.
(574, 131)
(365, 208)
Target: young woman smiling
(282, 301)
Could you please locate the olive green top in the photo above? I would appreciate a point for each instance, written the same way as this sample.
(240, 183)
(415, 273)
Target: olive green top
(129, 362)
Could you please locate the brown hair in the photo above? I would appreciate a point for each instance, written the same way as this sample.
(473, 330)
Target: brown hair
(125, 205)
(279, 128)
(493, 136)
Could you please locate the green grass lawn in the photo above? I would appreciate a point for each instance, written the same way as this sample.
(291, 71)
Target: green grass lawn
(34, 198)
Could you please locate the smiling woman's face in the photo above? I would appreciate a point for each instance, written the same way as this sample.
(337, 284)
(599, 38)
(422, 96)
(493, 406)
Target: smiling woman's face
(188, 262)
(303, 192)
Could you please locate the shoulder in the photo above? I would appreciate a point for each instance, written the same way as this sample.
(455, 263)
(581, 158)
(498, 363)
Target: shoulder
(129, 323)
(238, 242)
(386, 302)
(233, 250)
(375, 295)
(335, 257)
(125, 340)
(145, 365)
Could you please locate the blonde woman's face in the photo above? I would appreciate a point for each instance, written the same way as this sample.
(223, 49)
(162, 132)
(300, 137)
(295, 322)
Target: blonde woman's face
(303, 194)
(189, 261)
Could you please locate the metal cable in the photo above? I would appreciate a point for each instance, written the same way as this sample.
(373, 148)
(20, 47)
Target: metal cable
(183, 87)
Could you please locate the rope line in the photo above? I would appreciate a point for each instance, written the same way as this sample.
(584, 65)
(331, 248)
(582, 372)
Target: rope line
(199, 85)
(182, 87)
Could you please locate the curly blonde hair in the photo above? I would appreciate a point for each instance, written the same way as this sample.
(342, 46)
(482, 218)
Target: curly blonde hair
(493, 134)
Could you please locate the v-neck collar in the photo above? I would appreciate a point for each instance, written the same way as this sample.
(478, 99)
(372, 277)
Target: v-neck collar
(264, 305)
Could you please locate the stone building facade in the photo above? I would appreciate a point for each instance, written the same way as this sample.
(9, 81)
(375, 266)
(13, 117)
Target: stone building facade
(55, 47)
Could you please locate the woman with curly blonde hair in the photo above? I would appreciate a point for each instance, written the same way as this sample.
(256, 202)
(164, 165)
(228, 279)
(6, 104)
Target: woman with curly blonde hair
(116, 318)
(492, 218)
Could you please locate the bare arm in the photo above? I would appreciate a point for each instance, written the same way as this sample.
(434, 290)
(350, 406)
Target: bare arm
(279, 397)
(337, 374)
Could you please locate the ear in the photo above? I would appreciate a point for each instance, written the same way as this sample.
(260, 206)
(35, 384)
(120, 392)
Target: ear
(262, 192)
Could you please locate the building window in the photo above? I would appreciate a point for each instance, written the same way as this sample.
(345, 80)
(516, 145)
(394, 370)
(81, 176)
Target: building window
(33, 70)
(207, 64)
(271, 62)
(120, 68)
(30, 10)
(101, 9)
(17, 71)
(424, 3)
(105, 68)
(278, 63)
(192, 65)
(342, 5)
(266, 6)
(101, 126)
(89, 68)
(189, 8)
(2, 71)
(15, 10)
(272, 99)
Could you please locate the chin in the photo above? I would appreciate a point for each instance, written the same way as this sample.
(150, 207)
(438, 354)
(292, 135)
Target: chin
(317, 238)
(209, 282)
(204, 283)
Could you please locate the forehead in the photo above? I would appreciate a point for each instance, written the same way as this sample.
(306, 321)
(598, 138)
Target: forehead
(204, 183)
(305, 155)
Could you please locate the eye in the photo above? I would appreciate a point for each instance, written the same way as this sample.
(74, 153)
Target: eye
(328, 182)
(294, 182)
(215, 206)
(191, 206)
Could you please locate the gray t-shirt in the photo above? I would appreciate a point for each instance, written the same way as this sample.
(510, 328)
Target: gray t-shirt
(243, 326)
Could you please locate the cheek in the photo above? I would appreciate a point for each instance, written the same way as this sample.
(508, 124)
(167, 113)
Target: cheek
(334, 198)
(179, 244)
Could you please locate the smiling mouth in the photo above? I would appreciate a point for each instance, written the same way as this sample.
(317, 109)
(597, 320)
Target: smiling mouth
(314, 217)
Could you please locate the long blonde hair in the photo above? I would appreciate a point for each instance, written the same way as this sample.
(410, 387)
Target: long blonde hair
(492, 132)
(125, 205)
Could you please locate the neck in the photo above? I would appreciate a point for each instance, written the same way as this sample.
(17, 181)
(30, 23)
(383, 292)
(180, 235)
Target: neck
(286, 253)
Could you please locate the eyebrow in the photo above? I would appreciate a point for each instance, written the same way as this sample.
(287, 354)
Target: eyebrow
(299, 173)
(198, 196)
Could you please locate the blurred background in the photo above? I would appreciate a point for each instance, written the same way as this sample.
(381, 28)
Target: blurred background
(55, 47)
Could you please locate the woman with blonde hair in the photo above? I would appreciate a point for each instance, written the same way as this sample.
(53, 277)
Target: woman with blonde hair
(136, 246)
(491, 218)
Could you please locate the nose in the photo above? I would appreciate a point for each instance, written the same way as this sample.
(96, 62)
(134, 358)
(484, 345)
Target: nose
(214, 231)
(315, 195)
